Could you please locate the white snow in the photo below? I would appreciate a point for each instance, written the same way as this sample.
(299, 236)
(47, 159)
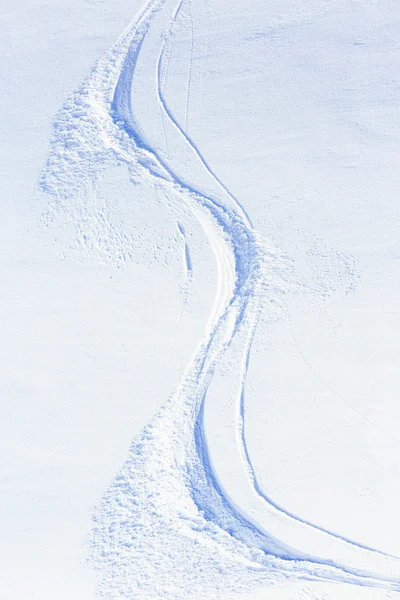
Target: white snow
(200, 242)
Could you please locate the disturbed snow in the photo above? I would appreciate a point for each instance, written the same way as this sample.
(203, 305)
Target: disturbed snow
(193, 513)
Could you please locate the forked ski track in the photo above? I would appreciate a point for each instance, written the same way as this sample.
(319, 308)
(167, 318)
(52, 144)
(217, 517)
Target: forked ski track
(247, 275)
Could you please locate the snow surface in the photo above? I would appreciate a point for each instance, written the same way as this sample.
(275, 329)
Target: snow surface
(202, 258)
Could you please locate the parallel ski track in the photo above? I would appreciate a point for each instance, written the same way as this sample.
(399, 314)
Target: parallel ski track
(236, 224)
(242, 283)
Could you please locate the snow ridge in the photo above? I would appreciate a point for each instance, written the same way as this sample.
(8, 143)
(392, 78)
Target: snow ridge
(167, 521)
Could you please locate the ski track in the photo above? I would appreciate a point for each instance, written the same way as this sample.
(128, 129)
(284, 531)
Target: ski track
(101, 118)
(189, 80)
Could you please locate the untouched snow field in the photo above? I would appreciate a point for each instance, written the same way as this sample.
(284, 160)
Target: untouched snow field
(199, 309)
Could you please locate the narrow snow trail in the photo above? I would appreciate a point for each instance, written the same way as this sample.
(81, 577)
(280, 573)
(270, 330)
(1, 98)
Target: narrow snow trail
(172, 471)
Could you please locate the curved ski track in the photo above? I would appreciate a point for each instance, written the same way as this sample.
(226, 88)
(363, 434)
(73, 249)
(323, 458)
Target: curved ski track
(247, 269)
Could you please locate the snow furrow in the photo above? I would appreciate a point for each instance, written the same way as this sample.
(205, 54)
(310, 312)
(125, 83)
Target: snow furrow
(189, 80)
(249, 278)
(169, 482)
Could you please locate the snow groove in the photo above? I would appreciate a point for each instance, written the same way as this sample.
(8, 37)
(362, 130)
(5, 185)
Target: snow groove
(168, 508)
(189, 80)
